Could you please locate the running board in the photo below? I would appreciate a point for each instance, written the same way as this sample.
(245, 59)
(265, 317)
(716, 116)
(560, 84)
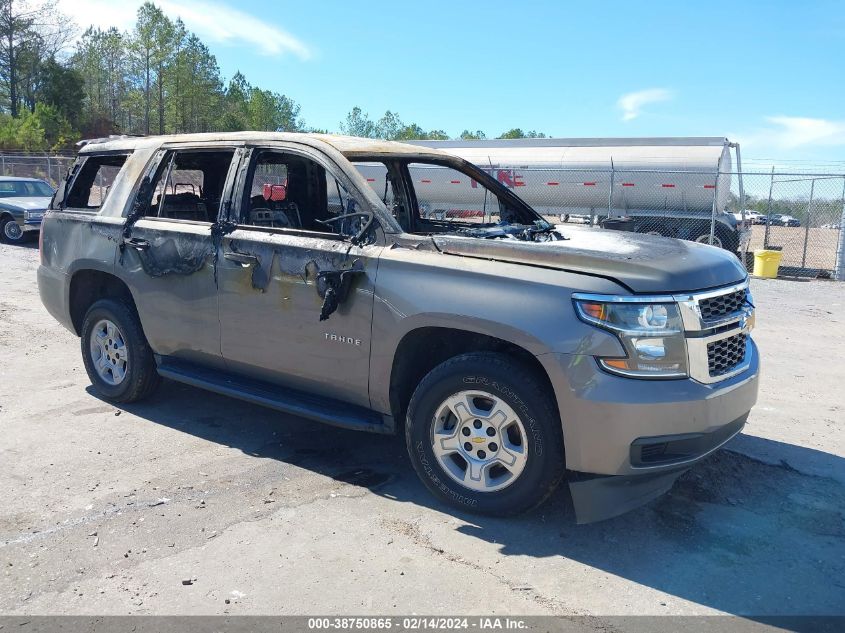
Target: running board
(325, 410)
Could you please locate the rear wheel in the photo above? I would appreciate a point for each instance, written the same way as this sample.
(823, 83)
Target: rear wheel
(706, 239)
(116, 354)
(483, 435)
(654, 228)
(10, 231)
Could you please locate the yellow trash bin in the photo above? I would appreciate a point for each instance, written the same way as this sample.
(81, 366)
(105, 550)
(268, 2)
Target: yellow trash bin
(766, 263)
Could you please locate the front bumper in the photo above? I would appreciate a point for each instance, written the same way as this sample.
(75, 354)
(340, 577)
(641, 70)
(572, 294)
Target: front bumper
(627, 440)
(29, 225)
(600, 497)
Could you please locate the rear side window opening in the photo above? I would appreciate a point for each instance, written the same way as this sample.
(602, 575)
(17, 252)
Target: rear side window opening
(94, 181)
(189, 185)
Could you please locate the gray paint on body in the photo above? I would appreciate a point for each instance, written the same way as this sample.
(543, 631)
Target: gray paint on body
(262, 320)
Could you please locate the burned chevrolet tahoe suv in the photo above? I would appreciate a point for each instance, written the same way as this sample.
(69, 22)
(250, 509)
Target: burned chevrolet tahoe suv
(297, 272)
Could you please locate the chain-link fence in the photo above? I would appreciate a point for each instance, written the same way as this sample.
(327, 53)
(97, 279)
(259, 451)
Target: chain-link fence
(49, 167)
(798, 213)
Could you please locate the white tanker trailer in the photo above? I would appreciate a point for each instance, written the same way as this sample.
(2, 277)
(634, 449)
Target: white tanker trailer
(669, 186)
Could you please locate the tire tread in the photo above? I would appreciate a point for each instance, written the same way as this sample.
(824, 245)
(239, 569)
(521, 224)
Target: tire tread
(143, 377)
(527, 379)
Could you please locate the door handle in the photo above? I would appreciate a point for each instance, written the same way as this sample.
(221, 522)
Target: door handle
(241, 258)
(138, 244)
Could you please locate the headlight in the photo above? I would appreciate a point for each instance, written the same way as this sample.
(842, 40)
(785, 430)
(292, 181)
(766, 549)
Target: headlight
(651, 333)
(33, 215)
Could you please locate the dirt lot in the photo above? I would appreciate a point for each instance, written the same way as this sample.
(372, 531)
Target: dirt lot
(109, 510)
(821, 245)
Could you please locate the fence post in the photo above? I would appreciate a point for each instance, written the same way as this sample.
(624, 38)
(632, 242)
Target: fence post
(839, 269)
(610, 191)
(713, 210)
(3, 159)
(807, 222)
(769, 210)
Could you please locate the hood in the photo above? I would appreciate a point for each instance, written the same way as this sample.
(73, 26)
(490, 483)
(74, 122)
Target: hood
(26, 203)
(644, 263)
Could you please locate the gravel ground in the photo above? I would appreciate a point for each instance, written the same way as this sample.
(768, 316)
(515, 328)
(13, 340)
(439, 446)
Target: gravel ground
(197, 504)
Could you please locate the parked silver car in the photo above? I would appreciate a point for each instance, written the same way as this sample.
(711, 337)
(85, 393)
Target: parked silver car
(22, 205)
(510, 353)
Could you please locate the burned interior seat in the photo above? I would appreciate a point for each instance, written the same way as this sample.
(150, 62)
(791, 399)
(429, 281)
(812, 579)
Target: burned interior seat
(184, 206)
(273, 209)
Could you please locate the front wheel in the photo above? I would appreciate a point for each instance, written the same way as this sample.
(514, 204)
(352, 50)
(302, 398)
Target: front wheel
(116, 354)
(484, 435)
(11, 232)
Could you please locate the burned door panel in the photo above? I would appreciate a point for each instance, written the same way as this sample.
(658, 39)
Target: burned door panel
(169, 267)
(169, 250)
(270, 306)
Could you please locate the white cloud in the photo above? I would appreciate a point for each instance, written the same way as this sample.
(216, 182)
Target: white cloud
(632, 103)
(221, 23)
(212, 21)
(102, 14)
(793, 131)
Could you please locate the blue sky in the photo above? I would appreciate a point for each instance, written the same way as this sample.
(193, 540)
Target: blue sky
(767, 74)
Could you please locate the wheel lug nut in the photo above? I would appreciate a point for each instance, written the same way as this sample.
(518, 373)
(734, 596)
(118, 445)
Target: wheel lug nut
(465, 431)
(468, 446)
(491, 431)
(481, 454)
(493, 447)
(477, 424)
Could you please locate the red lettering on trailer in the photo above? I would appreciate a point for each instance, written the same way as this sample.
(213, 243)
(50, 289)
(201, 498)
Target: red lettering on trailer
(425, 180)
(628, 184)
(371, 179)
(552, 183)
(589, 184)
(518, 181)
(667, 186)
(505, 176)
(709, 186)
(456, 182)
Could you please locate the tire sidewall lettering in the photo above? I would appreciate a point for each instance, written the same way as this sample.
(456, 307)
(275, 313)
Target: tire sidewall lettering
(513, 398)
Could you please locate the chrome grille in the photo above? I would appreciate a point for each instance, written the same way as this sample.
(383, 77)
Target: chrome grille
(722, 305)
(724, 355)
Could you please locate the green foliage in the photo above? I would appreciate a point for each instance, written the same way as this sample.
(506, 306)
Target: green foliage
(438, 135)
(44, 129)
(61, 88)
(389, 127)
(161, 78)
(518, 133)
(358, 123)
(157, 77)
(22, 133)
